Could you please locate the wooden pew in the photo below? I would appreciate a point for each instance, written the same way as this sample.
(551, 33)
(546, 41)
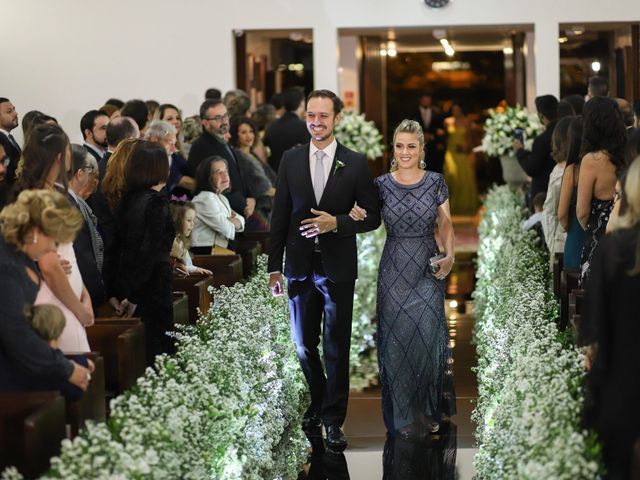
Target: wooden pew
(261, 237)
(576, 297)
(180, 308)
(196, 287)
(92, 405)
(32, 426)
(569, 279)
(120, 342)
(558, 265)
(249, 250)
(227, 269)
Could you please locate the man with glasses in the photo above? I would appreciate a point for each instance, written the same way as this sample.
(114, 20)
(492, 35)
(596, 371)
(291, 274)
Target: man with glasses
(214, 141)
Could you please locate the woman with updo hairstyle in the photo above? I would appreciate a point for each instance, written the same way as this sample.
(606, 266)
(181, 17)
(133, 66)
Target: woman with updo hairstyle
(609, 325)
(412, 333)
(47, 159)
(145, 236)
(31, 227)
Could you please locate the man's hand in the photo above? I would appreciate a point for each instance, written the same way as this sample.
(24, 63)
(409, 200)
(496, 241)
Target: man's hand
(276, 284)
(128, 308)
(80, 376)
(115, 303)
(323, 223)
(250, 207)
(517, 145)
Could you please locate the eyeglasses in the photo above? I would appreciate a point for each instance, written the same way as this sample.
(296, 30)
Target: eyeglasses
(219, 118)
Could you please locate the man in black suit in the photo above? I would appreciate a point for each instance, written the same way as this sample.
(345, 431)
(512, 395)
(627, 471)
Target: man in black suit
(213, 141)
(435, 135)
(538, 162)
(289, 130)
(9, 121)
(93, 126)
(317, 186)
(118, 129)
(88, 245)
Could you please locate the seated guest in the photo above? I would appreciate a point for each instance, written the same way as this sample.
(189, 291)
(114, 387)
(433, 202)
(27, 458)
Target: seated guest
(184, 215)
(118, 129)
(164, 133)
(93, 126)
(254, 173)
(554, 235)
(609, 325)
(30, 228)
(88, 245)
(216, 223)
(534, 222)
(138, 111)
(145, 236)
(47, 160)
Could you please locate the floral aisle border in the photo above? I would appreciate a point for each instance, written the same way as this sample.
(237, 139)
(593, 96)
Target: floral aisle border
(529, 375)
(228, 405)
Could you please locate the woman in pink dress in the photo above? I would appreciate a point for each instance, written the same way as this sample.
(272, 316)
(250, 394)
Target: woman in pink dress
(47, 156)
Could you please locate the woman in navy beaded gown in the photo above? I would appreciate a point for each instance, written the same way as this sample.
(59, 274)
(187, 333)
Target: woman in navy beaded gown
(413, 338)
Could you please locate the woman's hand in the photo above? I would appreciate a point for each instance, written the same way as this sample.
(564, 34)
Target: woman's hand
(204, 271)
(66, 265)
(85, 299)
(445, 264)
(128, 308)
(358, 214)
(80, 377)
(117, 308)
(236, 223)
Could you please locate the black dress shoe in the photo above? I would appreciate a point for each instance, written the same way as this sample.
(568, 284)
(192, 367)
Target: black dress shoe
(336, 440)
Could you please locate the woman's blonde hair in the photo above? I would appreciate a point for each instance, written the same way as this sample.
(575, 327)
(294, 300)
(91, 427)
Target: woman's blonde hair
(47, 210)
(631, 216)
(414, 128)
(46, 320)
(113, 184)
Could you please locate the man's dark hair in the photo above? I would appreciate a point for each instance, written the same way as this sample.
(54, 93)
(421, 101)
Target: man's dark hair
(88, 120)
(79, 159)
(207, 104)
(547, 105)
(203, 174)
(119, 129)
(576, 101)
(148, 166)
(565, 109)
(116, 102)
(337, 103)
(277, 100)
(212, 94)
(137, 110)
(3, 99)
(292, 97)
(598, 86)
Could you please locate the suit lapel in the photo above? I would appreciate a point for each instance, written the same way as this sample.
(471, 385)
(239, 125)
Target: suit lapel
(306, 173)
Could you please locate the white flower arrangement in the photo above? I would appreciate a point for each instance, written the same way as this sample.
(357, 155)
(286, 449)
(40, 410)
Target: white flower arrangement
(529, 376)
(500, 127)
(360, 135)
(228, 405)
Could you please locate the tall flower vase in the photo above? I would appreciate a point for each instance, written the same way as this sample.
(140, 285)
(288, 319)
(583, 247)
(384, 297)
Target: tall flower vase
(512, 172)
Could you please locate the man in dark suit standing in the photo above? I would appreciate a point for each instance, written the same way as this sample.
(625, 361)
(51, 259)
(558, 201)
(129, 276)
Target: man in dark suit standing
(93, 126)
(289, 130)
(318, 183)
(435, 135)
(9, 121)
(213, 141)
(118, 129)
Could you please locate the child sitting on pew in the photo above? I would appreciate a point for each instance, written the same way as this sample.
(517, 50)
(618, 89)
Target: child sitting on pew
(48, 322)
(184, 215)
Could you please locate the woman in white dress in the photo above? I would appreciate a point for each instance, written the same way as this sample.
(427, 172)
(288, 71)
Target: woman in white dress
(216, 224)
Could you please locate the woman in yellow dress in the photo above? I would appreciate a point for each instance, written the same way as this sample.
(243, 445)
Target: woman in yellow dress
(458, 167)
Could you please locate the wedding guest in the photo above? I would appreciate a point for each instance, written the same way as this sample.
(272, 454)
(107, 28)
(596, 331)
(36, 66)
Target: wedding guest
(184, 216)
(165, 134)
(216, 223)
(47, 159)
(30, 228)
(93, 126)
(576, 101)
(603, 139)
(263, 117)
(568, 197)
(597, 87)
(170, 114)
(554, 234)
(631, 151)
(8, 122)
(118, 129)
(191, 131)
(239, 107)
(110, 111)
(138, 111)
(212, 94)
(152, 106)
(538, 162)
(277, 100)
(534, 222)
(565, 109)
(145, 237)
(611, 329)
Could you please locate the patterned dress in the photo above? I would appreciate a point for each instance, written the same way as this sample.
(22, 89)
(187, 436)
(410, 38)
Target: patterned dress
(413, 350)
(596, 228)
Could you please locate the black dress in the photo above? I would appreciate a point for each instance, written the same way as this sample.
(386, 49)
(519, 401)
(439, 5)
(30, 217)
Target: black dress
(26, 361)
(610, 320)
(146, 234)
(596, 228)
(413, 338)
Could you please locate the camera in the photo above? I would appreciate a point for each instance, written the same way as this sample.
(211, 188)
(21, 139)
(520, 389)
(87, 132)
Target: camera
(518, 135)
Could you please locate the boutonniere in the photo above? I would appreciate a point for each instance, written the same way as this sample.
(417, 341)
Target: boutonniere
(338, 166)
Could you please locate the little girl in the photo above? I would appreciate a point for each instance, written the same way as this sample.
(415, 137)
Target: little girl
(184, 215)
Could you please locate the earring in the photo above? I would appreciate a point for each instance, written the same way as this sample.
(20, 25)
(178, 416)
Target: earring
(394, 163)
(423, 164)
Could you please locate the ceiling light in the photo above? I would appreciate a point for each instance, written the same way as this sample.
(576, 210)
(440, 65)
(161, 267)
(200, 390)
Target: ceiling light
(392, 52)
(563, 39)
(383, 52)
(596, 66)
(507, 51)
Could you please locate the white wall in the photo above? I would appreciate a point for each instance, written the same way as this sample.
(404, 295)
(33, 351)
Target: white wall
(67, 56)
